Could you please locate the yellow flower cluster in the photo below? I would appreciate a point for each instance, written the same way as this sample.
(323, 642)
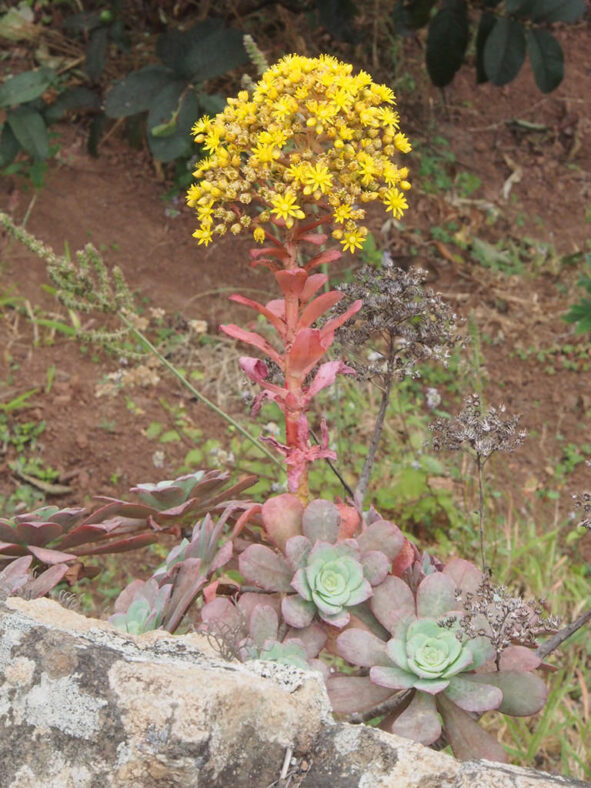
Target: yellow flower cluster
(311, 133)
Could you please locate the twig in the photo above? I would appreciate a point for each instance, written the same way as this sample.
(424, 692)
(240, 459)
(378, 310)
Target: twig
(361, 489)
(563, 634)
(286, 762)
(387, 707)
(479, 465)
(334, 469)
(201, 397)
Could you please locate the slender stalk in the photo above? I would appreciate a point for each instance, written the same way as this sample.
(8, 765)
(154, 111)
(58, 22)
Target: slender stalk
(361, 489)
(479, 466)
(556, 640)
(201, 397)
(387, 707)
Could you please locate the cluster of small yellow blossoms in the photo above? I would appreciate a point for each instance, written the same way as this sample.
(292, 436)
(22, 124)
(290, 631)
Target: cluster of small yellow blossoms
(311, 133)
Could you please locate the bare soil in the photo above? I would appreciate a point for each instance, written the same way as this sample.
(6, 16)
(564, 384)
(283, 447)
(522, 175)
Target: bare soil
(536, 180)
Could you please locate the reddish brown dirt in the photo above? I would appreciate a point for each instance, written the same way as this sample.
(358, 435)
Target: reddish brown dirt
(98, 444)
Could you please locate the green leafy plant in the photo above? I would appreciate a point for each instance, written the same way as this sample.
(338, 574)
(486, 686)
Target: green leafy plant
(579, 314)
(170, 94)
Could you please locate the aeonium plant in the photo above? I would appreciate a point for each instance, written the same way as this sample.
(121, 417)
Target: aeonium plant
(304, 580)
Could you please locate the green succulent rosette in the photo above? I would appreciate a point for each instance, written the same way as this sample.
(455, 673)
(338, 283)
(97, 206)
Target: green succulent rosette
(332, 580)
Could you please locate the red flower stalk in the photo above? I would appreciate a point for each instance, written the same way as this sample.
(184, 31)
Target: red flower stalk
(293, 317)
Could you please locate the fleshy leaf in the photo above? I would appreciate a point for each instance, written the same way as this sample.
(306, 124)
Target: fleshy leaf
(297, 612)
(467, 739)
(523, 693)
(383, 536)
(47, 580)
(50, 556)
(282, 518)
(519, 658)
(263, 567)
(318, 307)
(349, 694)
(321, 521)
(465, 574)
(375, 566)
(473, 697)
(419, 721)
(436, 596)
(392, 677)
(313, 637)
(264, 623)
(296, 551)
(362, 648)
(391, 600)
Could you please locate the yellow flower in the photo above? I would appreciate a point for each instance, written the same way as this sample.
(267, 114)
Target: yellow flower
(395, 201)
(259, 235)
(318, 177)
(311, 136)
(203, 236)
(284, 206)
(402, 144)
(342, 213)
(353, 239)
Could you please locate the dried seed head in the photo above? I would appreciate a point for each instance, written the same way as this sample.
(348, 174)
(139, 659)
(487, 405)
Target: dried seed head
(415, 322)
(482, 432)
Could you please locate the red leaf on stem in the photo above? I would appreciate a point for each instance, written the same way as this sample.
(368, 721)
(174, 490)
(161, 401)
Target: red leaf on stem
(252, 339)
(318, 307)
(292, 282)
(329, 256)
(272, 317)
(331, 326)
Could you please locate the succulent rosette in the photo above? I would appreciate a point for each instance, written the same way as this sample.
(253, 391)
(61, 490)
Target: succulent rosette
(445, 676)
(329, 571)
(250, 630)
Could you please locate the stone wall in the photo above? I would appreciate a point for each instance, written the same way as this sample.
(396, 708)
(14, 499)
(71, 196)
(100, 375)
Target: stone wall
(84, 706)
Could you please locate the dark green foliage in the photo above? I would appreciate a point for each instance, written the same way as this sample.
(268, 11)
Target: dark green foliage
(546, 58)
(408, 17)
(504, 51)
(580, 313)
(170, 93)
(447, 41)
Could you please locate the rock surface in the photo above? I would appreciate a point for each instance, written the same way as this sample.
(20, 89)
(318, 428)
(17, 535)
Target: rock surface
(84, 706)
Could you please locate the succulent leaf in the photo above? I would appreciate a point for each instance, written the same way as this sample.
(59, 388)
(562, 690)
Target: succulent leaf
(419, 721)
(297, 612)
(349, 694)
(391, 601)
(468, 740)
(282, 518)
(362, 648)
(321, 521)
(436, 596)
(523, 693)
(382, 536)
(472, 696)
(265, 568)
